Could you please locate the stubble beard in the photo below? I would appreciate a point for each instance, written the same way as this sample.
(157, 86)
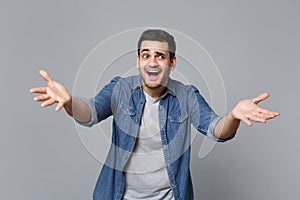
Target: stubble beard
(156, 87)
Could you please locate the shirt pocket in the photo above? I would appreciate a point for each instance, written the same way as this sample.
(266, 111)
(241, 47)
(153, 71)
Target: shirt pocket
(127, 110)
(177, 129)
(178, 118)
(125, 119)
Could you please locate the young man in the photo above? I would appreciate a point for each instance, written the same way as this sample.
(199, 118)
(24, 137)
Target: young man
(150, 152)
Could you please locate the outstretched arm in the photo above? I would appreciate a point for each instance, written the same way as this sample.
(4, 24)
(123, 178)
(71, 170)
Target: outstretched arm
(247, 111)
(55, 93)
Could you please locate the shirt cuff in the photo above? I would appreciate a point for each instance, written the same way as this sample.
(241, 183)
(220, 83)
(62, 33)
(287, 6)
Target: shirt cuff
(210, 131)
(94, 118)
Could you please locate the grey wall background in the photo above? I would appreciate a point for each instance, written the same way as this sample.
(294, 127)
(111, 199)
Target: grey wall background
(256, 45)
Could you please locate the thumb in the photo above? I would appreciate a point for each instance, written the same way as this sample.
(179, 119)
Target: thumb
(45, 75)
(260, 98)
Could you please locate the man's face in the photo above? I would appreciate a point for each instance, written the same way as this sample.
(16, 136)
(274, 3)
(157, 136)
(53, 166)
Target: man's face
(154, 64)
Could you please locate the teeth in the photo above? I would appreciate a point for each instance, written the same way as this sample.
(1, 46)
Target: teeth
(152, 72)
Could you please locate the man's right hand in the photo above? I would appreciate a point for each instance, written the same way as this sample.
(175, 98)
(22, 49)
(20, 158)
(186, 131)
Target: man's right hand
(53, 93)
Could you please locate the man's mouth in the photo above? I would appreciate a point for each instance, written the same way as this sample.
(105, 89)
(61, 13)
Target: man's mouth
(152, 73)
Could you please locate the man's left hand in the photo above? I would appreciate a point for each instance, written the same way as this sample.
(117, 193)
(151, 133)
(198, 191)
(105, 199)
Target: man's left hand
(248, 111)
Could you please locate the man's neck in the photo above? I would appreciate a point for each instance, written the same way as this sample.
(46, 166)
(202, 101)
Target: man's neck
(154, 92)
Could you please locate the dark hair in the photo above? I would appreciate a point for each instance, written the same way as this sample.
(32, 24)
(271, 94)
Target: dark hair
(161, 36)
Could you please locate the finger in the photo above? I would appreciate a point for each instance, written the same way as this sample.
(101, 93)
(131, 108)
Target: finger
(267, 113)
(247, 121)
(260, 98)
(262, 115)
(59, 106)
(39, 90)
(41, 98)
(258, 118)
(48, 102)
(270, 116)
(46, 76)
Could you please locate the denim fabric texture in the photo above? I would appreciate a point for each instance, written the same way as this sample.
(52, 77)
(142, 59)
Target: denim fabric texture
(180, 107)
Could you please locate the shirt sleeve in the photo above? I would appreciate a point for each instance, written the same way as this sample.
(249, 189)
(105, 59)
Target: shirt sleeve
(94, 118)
(203, 118)
(101, 104)
(211, 127)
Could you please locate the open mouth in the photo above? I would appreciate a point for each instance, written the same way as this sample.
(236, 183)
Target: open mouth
(152, 73)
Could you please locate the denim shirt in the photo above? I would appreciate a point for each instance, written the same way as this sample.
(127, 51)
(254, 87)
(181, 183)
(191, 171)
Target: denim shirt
(179, 107)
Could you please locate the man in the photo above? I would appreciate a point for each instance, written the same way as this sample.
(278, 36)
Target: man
(150, 151)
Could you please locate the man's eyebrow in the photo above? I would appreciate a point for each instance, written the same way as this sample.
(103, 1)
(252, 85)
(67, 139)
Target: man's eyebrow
(156, 52)
(159, 53)
(145, 50)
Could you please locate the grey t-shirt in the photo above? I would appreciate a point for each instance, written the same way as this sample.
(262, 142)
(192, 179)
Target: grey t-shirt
(145, 173)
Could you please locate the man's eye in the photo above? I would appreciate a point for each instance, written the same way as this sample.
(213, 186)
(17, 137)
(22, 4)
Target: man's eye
(161, 57)
(145, 56)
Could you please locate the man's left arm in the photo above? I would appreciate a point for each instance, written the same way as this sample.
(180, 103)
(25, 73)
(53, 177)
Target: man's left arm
(247, 111)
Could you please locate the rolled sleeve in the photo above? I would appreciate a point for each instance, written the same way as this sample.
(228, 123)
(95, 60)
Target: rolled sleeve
(211, 128)
(94, 118)
(203, 117)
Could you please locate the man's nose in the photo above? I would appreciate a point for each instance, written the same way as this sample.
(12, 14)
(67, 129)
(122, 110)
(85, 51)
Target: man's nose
(153, 62)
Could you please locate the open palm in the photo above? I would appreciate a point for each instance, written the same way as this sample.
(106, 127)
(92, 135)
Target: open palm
(53, 93)
(247, 110)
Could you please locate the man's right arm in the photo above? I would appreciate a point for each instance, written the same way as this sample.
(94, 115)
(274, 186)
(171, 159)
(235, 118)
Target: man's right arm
(55, 93)
(79, 110)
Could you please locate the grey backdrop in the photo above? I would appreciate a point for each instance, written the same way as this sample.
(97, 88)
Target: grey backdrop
(255, 44)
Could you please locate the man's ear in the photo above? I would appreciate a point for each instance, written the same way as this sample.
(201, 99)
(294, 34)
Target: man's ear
(173, 63)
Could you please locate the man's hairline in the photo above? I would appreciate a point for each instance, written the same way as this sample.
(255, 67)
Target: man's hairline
(171, 59)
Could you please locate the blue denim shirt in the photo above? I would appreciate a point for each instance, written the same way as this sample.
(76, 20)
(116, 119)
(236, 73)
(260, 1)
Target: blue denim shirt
(179, 107)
